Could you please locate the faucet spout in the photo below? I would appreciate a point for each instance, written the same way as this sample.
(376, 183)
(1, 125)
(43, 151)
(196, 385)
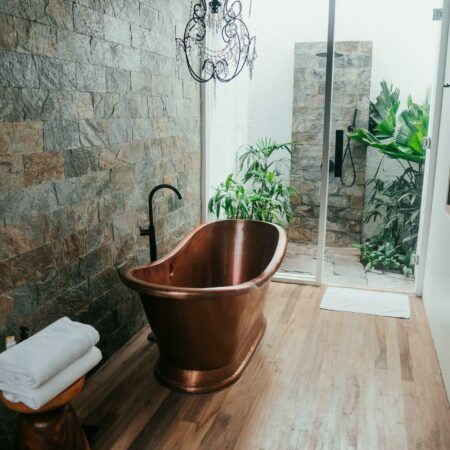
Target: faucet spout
(150, 232)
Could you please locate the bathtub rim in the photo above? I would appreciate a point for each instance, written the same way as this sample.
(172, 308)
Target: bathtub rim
(182, 293)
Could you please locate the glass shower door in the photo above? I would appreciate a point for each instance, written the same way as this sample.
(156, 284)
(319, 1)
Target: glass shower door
(383, 94)
(310, 125)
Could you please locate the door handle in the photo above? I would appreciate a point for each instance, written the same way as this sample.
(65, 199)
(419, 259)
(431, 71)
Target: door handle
(338, 153)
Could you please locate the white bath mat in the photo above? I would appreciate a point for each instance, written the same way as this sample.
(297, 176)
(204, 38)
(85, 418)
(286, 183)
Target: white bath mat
(366, 302)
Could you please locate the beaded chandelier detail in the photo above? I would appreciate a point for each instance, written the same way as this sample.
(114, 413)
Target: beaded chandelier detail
(230, 47)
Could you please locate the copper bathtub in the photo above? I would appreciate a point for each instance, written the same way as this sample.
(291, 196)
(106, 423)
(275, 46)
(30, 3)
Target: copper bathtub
(205, 301)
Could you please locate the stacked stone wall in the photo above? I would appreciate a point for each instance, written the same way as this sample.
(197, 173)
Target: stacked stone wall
(92, 116)
(352, 77)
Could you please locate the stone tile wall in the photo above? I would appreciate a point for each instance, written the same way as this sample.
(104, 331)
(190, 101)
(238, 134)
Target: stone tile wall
(352, 77)
(92, 116)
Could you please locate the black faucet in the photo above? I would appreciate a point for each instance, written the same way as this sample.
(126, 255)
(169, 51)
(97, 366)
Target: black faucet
(150, 232)
(24, 333)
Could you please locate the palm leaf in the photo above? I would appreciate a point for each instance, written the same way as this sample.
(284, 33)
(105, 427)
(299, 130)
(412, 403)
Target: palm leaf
(383, 113)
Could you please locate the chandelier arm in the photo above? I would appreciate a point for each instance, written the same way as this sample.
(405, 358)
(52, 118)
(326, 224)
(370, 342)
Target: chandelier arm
(238, 69)
(245, 49)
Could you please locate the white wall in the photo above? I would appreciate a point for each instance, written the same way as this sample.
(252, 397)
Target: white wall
(436, 292)
(228, 127)
(404, 51)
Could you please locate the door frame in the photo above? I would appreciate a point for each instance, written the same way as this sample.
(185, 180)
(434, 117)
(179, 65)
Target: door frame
(325, 178)
(431, 161)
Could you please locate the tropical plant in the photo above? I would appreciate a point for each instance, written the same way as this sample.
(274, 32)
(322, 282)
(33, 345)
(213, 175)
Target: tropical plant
(378, 254)
(395, 204)
(399, 138)
(398, 204)
(258, 191)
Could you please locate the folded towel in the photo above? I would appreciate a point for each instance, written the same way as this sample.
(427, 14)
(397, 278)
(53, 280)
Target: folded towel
(40, 357)
(35, 398)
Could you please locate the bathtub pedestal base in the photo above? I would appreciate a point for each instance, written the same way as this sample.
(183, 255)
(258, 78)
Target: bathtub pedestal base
(204, 381)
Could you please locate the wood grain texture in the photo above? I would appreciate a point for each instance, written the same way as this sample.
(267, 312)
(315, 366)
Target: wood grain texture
(319, 380)
(57, 429)
(53, 426)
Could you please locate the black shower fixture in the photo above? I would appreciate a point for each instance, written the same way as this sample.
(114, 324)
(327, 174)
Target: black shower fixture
(340, 155)
(325, 54)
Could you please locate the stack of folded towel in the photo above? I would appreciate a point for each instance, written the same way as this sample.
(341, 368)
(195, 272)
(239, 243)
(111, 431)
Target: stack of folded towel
(44, 365)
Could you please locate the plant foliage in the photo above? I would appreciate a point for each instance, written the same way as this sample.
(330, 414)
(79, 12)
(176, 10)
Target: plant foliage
(258, 191)
(397, 137)
(395, 204)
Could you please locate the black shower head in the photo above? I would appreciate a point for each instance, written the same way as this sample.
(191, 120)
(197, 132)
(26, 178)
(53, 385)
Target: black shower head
(325, 54)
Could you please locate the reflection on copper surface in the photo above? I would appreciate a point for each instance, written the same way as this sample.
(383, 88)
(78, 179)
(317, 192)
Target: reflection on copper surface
(205, 301)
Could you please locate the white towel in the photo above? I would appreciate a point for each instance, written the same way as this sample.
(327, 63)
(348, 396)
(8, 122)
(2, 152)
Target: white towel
(35, 398)
(40, 357)
(366, 302)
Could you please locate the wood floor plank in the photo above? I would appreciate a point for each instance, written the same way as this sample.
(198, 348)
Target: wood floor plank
(318, 380)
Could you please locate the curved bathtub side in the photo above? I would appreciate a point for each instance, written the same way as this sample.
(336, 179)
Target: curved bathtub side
(161, 277)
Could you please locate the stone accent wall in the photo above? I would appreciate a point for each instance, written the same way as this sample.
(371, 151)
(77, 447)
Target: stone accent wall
(352, 77)
(92, 116)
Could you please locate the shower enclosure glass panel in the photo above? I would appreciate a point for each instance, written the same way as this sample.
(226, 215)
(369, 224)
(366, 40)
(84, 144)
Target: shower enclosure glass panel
(245, 111)
(306, 160)
(313, 56)
(374, 199)
(309, 83)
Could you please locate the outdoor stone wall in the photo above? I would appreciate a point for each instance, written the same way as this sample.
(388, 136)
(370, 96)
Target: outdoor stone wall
(352, 77)
(92, 116)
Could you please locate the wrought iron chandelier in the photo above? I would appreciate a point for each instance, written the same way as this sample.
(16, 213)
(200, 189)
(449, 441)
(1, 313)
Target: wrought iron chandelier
(228, 32)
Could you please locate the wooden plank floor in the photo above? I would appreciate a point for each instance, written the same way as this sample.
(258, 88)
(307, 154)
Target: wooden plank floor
(319, 380)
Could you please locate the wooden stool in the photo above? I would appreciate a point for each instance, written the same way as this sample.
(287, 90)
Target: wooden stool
(53, 426)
